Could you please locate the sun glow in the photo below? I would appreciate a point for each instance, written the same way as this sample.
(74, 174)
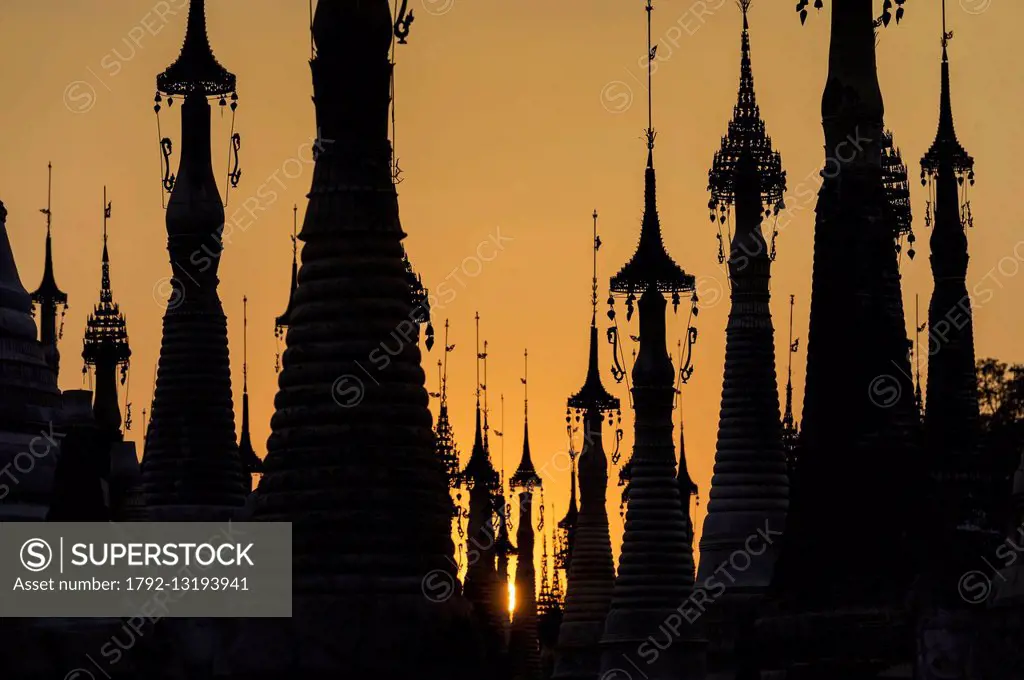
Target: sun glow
(511, 597)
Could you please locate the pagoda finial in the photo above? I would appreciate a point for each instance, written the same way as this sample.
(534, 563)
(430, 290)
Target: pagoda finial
(651, 51)
(651, 266)
(593, 394)
(196, 69)
(525, 476)
(479, 469)
(444, 437)
(48, 296)
(250, 461)
(105, 345)
(946, 148)
(746, 132)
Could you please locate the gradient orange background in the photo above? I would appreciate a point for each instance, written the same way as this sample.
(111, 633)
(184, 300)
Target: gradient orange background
(521, 117)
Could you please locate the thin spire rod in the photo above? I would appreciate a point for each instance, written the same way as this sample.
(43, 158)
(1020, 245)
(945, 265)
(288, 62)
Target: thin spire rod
(478, 357)
(503, 440)
(49, 187)
(106, 214)
(245, 344)
(918, 327)
(526, 387)
(295, 230)
(946, 35)
(650, 57)
(312, 49)
(789, 367)
(593, 284)
(483, 388)
(444, 374)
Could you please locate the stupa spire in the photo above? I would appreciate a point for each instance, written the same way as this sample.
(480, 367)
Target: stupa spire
(48, 296)
(790, 428)
(196, 70)
(105, 345)
(524, 645)
(590, 570)
(525, 475)
(483, 483)
(656, 564)
(951, 419)
(750, 485)
(859, 398)
(444, 435)
(251, 462)
(191, 469)
(28, 392)
(351, 459)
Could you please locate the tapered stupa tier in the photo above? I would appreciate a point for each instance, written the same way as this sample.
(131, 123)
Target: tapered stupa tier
(29, 399)
(750, 487)
(482, 583)
(651, 265)
(523, 644)
(351, 461)
(591, 573)
(859, 413)
(105, 347)
(656, 564)
(191, 467)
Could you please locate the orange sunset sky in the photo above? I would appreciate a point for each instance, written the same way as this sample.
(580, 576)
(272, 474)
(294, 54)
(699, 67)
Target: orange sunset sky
(515, 119)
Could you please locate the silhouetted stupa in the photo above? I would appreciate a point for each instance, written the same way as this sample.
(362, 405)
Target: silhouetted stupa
(351, 461)
(591, 570)
(523, 644)
(750, 487)
(190, 468)
(656, 566)
(29, 398)
(48, 296)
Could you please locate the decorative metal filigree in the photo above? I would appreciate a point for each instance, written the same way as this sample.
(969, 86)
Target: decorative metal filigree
(166, 150)
(746, 133)
(419, 299)
(897, 192)
(236, 173)
(403, 21)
